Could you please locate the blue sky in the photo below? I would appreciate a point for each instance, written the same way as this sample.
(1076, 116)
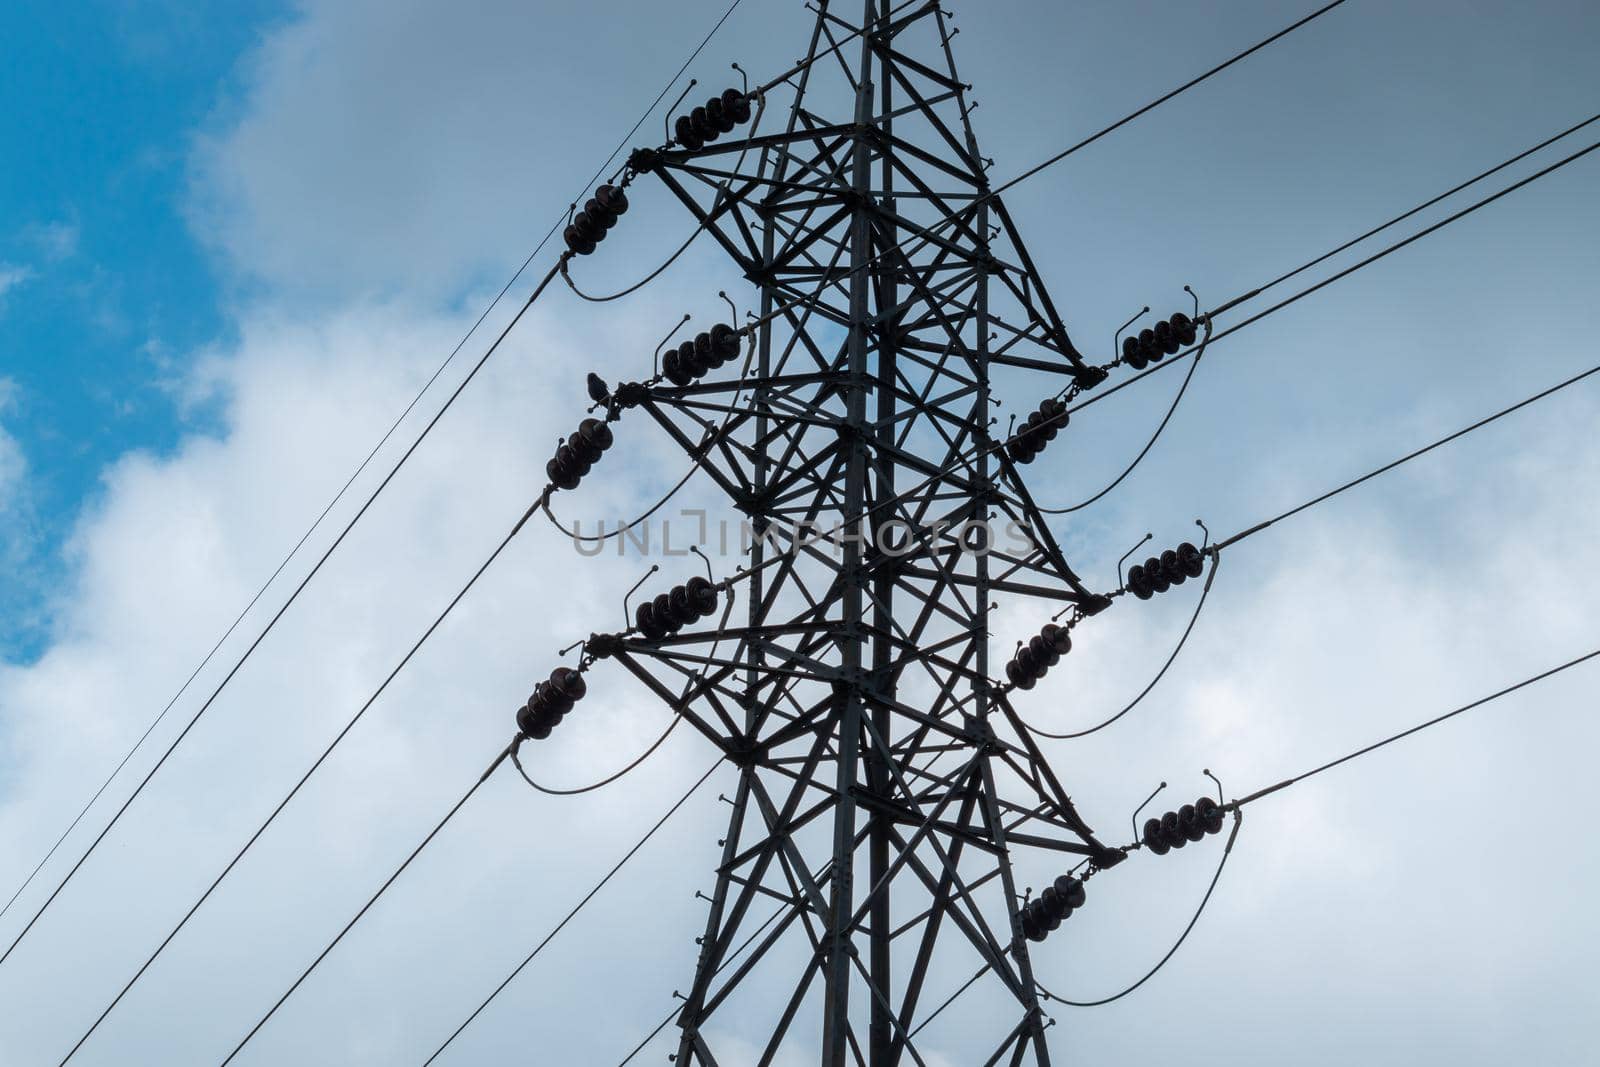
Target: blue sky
(238, 239)
(110, 294)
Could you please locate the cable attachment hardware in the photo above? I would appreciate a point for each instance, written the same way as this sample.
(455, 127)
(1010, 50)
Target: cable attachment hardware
(1120, 583)
(629, 594)
(717, 116)
(1159, 573)
(1165, 338)
(1038, 430)
(656, 360)
(1134, 818)
(550, 703)
(1116, 340)
(671, 611)
(589, 227)
(1044, 914)
(1177, 828)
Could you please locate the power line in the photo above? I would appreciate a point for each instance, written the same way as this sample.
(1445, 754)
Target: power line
(440, 825)
(1258, 527)
(306, 777)
(1236, 805)
(286, 605)
(516, 761)
(601, 884)
(1375, 257)
(1408, 457)
(1497, 168)
(1185, 87)
(1392, 738)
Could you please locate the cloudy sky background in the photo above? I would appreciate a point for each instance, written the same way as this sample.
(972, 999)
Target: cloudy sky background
(233, 249)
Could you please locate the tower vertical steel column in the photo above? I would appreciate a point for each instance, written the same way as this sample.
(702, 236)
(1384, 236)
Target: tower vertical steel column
(878, 759)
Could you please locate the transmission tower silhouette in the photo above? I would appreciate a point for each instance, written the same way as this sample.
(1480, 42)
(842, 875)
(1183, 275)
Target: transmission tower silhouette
(882, 789)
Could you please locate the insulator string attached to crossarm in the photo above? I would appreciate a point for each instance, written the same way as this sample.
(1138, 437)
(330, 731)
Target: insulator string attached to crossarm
(699, 228)
(744, 376)
(1162, 962)
(1182, 640)
(1194, 365)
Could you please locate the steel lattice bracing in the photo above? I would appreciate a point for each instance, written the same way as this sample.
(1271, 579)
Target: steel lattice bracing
(856, 694)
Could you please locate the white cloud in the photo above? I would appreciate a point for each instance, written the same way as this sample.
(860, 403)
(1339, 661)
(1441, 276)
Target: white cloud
(55, 241)
(15, 509)
(11, 276)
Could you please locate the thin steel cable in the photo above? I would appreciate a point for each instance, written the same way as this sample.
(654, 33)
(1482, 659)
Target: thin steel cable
(651, 1036)
(1375, 257)
(516, 761)
(440, 825)
(1392, 738)
(1162, 962)
(657, 506)
(572, 914)
(473, 329)
(1236, 805)
(476, 367)
(1185, 87)
(1187, 630)
(304, 778)
(1409, 456)
(1320, 498)
(1497, 168)
(1194, 365)
(642, 282)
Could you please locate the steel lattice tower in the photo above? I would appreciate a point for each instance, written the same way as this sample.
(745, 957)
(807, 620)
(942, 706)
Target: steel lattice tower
(857, 697)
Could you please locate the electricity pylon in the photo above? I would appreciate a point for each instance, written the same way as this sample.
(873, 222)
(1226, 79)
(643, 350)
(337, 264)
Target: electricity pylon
(884, 779)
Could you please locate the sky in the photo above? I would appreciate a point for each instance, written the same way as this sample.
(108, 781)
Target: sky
(235, 242)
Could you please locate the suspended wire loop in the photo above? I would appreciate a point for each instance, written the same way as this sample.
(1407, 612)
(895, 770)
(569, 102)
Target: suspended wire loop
(516, 761)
